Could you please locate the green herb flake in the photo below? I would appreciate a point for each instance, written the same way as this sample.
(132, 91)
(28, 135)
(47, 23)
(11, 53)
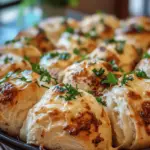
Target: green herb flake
(8, 60)
(44, 74)
(146, 55)
(126, 78)
(119, 44)
(71, 92)
(24, 79)
(101, 21)
(52, 55)
(99, 100)
(70, 30)
(114, 65)
(111, 79)
(61, 56)
(141, 74)
(76, 51)
(64, 56)
(138, 28)
(99, 72)
(26, 58)
(12, 41)
(7, 76)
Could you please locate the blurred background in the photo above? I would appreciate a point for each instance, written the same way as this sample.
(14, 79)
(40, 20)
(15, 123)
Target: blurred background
(16, 15)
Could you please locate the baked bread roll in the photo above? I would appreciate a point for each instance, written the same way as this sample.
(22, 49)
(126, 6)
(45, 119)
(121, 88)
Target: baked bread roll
(136, 31)
(56, 61)
(19, 91)
(11, 62)
(20, 48)
(100, 25)
(144, 64)
(67, 120)
(128, 106)
(55, 26)
(89, 75)
(125, 55)
(71, 41)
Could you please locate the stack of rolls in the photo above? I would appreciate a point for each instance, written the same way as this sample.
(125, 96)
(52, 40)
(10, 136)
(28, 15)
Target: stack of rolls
(78, 85)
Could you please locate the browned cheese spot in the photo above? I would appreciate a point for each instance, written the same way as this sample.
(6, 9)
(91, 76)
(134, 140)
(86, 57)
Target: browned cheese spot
(133, 95)
(7, 93)
(145, 115)
(84, 122)
(97, 140)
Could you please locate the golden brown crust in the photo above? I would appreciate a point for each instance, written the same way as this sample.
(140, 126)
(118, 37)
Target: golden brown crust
(7, 93)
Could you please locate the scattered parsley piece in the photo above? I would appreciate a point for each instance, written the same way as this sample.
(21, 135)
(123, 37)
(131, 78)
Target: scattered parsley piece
(141, 74)
(99, 72)
(138, 28)
(12, 41)
(76, 51)
(61, 56)
(71, 92)
(126, 78)
(146, 55)
(26, 58)
(92, 33)
(70, 30)
(114, 65)
(64, 56)
(111, 79)
(99, 100)
(8, 59)
(101, 21)
(52, 55)
(44, 74)
(24, 79)
(8, 75)
(119, 44)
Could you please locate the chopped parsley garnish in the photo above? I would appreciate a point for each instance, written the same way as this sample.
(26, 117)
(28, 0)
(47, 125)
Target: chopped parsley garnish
(110, 79)
(70, 30)
(12, 41)
(8, 75)
(64, 56)
(99, 72)
(26, 58)
(8, 59)
(52, 55)
(101, 21)
(146, 55)
(126, 78)
(76, 51)
(138, 28)
(114, 65)
(99, 100)
(44, 74)
(61, 56)
(119, 44)
(71, 92)
(24, 79)
(92, 33)
(141, 74)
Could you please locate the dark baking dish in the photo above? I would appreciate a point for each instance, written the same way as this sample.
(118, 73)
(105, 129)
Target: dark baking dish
(15, 143)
